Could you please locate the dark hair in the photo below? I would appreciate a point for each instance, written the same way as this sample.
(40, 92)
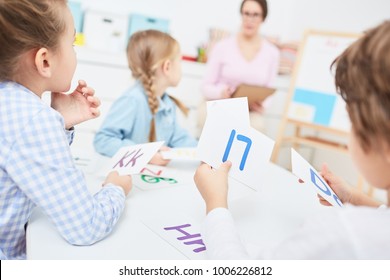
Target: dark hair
(263, 4)
(26, 25)
(363, 80)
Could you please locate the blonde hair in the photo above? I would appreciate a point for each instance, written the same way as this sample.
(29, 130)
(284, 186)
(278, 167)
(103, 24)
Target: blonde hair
(363, 80)
(146, 51)
(26, 25)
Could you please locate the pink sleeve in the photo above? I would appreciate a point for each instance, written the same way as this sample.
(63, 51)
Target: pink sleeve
(272, 80)
(211, 87)
(274, 71)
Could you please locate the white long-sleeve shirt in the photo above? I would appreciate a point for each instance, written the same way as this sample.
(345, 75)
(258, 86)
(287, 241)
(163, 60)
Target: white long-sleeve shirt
(348, 233)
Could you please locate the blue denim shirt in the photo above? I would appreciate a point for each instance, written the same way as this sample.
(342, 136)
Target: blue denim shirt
(128, 123)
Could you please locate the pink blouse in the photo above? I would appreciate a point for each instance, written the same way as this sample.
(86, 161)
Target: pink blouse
(227, 67)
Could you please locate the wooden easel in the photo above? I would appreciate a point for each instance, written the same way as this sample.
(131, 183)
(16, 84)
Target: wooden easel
(298, 138)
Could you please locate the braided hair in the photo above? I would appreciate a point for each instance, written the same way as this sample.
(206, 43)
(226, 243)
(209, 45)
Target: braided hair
(146, 51)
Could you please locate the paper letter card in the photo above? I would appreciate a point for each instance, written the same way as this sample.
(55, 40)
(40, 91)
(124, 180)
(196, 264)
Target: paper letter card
(234, 111)
(227, 135)
(180, 154)
(153, 177)
(182, 232)
(131, 159)
(303, 170)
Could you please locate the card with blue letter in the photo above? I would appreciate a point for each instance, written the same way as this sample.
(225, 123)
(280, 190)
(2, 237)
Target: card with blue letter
(228, 136)
(303, 170)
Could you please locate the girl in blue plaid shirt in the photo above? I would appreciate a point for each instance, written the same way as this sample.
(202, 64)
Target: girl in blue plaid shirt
(36, 165)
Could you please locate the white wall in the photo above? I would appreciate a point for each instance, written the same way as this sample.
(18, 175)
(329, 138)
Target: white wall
(191, 20)
(338, 15)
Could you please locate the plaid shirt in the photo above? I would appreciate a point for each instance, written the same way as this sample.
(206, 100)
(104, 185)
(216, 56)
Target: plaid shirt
(37, 169)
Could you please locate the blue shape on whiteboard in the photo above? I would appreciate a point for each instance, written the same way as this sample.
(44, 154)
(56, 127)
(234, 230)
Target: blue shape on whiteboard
(322, 102)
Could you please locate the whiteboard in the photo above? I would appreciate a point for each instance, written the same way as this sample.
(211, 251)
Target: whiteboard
(314, 99)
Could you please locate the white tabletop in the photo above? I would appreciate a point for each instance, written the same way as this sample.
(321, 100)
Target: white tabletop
(263, 217)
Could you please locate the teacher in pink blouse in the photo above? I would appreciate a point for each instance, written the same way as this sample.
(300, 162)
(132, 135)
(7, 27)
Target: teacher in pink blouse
(245, 58)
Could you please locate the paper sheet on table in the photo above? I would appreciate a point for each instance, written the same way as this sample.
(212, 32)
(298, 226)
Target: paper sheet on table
(180, 231)
(131, 159)
(227, 135)
(180, 154)
(153, 177)
(303, 170)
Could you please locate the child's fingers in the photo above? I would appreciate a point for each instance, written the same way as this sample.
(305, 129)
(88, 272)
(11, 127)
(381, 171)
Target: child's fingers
(323, 201)
(225, 167)
(94, 101)
(81, 84)
(320, 197)
(88, 91)
(204, 166)
(327, 174)
(164, 148)
(325, 170)
(95, 112)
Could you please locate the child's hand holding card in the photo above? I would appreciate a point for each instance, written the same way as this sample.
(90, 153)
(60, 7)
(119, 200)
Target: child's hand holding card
(132, 159)
(303, 170)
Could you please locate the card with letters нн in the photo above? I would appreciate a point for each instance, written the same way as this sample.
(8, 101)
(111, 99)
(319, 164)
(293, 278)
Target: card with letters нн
(180, 231)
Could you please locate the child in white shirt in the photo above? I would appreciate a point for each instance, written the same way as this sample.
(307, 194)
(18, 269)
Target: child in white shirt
(359, 230)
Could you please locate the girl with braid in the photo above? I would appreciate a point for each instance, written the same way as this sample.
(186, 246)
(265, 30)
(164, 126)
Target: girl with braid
(145, 112)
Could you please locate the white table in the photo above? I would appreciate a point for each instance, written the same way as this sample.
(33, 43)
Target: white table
(268, 215)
